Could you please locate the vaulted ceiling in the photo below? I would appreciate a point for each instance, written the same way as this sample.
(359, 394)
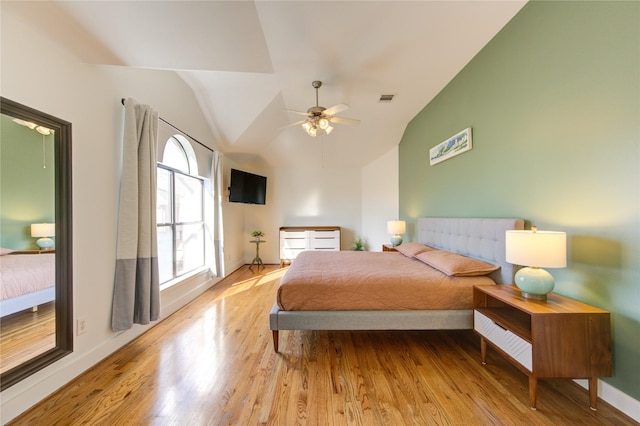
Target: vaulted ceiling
(249, 61)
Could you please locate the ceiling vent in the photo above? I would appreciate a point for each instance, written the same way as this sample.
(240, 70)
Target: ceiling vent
(386, 98)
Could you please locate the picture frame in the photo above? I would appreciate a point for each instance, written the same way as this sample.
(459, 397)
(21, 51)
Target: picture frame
(455, 145)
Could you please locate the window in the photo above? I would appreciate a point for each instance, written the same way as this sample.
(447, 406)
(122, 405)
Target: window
(179, 211)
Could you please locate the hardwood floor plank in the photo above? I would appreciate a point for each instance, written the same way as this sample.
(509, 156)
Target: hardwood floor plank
(212, 363)
(26, 334)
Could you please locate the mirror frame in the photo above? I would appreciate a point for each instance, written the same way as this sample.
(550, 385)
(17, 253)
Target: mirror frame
(64, 236)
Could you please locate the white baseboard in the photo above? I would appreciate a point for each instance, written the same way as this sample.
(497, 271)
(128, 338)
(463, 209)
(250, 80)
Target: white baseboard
(616, 398)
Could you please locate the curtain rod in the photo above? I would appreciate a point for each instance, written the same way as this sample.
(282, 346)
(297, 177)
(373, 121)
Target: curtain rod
(184, 133)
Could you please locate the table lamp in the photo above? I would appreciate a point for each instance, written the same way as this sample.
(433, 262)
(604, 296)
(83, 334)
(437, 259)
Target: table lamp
(43, 231)
(536, 249)
(396, 227)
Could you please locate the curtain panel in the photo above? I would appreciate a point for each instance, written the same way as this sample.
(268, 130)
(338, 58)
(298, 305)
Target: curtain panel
(216, 180)
(136, 295)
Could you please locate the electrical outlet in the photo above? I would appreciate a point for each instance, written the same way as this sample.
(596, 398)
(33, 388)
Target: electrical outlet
(81, 326)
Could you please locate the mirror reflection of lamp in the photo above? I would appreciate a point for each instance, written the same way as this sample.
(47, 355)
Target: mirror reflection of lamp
(44, 232)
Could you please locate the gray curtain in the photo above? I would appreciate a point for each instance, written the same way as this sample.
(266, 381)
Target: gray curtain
(216, 180)
(136, 294)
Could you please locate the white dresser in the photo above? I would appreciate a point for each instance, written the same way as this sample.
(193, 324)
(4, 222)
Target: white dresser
(296, 239)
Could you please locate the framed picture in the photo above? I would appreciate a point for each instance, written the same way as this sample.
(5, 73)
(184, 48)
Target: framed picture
(456, 144)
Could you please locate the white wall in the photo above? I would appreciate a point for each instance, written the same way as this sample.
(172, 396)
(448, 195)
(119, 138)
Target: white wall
(297, 197)
(380, 192)
(39, 73)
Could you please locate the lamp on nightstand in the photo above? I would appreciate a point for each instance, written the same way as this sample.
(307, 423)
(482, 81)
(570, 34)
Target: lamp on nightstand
(536, 249)
(396, 227)
(43, 231)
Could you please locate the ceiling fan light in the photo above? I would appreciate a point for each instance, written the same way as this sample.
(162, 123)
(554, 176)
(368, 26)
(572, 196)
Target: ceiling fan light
(313, 132)
(323, 123)
(306, 126)
(329, 129)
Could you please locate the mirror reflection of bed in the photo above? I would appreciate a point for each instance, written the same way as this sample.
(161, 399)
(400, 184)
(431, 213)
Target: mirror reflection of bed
(27, 213)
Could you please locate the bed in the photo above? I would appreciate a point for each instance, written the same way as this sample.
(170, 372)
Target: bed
(26, 281)
(379, 291)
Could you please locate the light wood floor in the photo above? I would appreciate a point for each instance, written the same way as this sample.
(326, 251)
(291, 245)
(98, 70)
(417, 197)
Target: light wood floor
(26, 334)
(212, 363)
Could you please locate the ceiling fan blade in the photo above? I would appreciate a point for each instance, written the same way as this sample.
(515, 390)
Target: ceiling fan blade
(299, 112)
(336, 109)
(297, 123)
(347, 121)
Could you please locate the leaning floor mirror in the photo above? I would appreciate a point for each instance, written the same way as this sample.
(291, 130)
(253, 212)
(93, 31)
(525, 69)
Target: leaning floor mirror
(35, 241)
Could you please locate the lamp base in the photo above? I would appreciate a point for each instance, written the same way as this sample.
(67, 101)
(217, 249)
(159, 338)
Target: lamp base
(535, 283)
(45, 243)
(542, 297)
(396, 240)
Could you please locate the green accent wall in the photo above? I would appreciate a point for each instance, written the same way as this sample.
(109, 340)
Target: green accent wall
(554, 103)
(26, 187)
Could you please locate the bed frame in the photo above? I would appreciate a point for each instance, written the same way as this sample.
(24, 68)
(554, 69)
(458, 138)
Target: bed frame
(27, 301)
(479, 238)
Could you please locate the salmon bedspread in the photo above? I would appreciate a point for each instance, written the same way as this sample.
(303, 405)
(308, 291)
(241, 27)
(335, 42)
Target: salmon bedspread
(361, 280)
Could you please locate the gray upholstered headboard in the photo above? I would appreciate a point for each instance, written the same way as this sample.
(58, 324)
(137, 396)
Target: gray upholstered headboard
(479, 238)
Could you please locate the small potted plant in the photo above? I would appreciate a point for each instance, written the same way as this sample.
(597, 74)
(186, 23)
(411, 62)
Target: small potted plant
(359, 244)
(257, 235)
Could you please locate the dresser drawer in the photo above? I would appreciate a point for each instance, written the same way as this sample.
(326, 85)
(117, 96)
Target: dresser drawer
(293, 243)
(513, 345)
(324, 234)
(324, 240)
(293, 234)
(290, 253)
(324, 244)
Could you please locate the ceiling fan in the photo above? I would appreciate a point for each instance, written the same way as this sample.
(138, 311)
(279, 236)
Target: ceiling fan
(319, 118)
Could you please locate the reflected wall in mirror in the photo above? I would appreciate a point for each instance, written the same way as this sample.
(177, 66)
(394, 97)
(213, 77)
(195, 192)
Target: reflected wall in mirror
(36, 323)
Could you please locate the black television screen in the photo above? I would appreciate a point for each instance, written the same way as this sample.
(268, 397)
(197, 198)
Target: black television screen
(247, 188)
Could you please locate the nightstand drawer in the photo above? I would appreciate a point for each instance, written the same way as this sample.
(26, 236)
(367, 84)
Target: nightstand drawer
(513, 345)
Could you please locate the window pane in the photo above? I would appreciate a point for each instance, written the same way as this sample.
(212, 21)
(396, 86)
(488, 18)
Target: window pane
(163, 203)
(188, 199)
(165, 253)
(174, 156)
(189, 247)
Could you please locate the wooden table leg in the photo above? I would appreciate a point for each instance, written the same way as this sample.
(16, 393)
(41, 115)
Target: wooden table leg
(533, 392)
(593, 393)
(483, 350)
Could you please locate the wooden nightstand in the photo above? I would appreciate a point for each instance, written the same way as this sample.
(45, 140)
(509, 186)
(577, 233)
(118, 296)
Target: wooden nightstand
(388, 247)
(556, 338)
(40, 251)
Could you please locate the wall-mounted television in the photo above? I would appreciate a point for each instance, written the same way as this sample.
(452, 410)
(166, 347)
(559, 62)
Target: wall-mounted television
(247, 188)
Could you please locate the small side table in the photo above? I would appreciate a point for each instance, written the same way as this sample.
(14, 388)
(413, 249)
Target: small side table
(388, 247)
(256, 260)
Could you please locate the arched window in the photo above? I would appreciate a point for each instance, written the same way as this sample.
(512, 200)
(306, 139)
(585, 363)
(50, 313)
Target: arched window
(179, 211)
(179, 155)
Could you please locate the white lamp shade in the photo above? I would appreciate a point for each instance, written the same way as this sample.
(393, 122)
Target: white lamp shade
(43, 230)
(544, 249)
(396, 227)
